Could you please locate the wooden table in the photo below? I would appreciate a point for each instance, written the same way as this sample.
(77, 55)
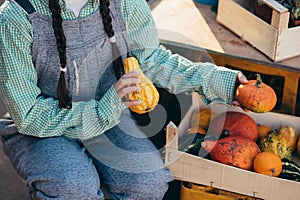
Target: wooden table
(196, 25)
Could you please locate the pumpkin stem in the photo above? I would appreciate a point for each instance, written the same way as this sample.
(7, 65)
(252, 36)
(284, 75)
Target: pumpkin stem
(273, 171)
(225, 133)
(258, 80)
(194, 148)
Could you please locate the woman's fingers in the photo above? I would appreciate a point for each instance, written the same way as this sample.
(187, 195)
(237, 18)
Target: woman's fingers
(128, 79)
(236, 103)
(132, 103)
(127, 84)
(127, 90)
(242, 78)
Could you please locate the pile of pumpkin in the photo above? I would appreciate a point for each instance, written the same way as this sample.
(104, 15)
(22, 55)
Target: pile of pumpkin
(235, 139)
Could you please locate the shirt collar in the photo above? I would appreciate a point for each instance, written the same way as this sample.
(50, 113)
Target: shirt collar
(62, 3)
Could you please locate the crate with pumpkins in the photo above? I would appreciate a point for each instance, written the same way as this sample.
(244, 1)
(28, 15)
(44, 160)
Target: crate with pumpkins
(251, 151)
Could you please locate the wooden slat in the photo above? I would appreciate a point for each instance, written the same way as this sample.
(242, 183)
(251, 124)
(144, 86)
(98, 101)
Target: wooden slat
(289, 44)
(275, 6)
(192, 191)
(280, 20)
(194, 169)
(172, 136)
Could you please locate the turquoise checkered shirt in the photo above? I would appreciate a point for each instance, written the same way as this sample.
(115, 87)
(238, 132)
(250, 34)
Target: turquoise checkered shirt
(39, 116)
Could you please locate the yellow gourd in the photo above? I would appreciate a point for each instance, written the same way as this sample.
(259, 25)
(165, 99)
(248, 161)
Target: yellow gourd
(291, 134)
(148, 94)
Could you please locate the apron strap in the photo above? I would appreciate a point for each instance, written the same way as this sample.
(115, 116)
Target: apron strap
(26, 5)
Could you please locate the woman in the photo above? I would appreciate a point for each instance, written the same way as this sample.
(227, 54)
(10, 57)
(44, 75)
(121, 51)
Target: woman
(63, 86)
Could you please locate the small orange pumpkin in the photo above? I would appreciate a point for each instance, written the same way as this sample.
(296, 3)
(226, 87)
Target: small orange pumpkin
(263, 130)
(148, 94)
(256, 96)
(267, 163)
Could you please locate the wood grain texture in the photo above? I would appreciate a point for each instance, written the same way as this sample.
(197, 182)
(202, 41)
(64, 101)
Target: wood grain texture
(181, 20)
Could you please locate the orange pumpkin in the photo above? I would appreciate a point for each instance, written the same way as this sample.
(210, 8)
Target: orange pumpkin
(263, 130)
(148, 94)
(233, 150)
(233, 123)
(267, 163)
(256, 96)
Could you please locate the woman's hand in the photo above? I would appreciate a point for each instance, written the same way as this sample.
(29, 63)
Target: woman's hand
(126, 85)
(240, 79)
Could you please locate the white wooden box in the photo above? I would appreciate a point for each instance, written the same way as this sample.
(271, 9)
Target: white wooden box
(275, 40)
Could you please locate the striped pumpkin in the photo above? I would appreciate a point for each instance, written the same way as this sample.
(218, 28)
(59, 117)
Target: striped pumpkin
(148, 94)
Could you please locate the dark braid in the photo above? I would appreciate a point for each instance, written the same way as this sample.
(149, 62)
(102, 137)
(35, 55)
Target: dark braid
(62, 91)
(107, 23)
(106, 18)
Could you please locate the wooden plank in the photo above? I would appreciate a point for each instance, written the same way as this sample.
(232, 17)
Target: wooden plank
(249, 27)
(202, 171)
(191, 191)
(181, 21)
(275, 6)
(172, 136)
(289, 44)
(280, 20)
(290, 91)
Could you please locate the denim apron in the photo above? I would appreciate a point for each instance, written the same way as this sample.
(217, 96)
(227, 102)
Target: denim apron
(127, 162)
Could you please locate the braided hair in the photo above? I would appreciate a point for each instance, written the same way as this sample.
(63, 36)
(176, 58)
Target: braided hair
(62, 91)
(107, 23)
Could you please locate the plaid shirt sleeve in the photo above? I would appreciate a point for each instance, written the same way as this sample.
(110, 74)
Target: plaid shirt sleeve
(32, 113)
(41, 117)
(172, 71)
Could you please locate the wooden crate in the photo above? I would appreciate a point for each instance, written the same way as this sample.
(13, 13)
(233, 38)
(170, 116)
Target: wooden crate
(275, 40)
(199, 170)
(192, 191)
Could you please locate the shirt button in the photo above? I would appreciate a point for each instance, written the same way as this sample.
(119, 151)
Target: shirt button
(113, 107)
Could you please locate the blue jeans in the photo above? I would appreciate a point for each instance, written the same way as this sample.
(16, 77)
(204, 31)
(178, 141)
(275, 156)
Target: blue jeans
(128, 166)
